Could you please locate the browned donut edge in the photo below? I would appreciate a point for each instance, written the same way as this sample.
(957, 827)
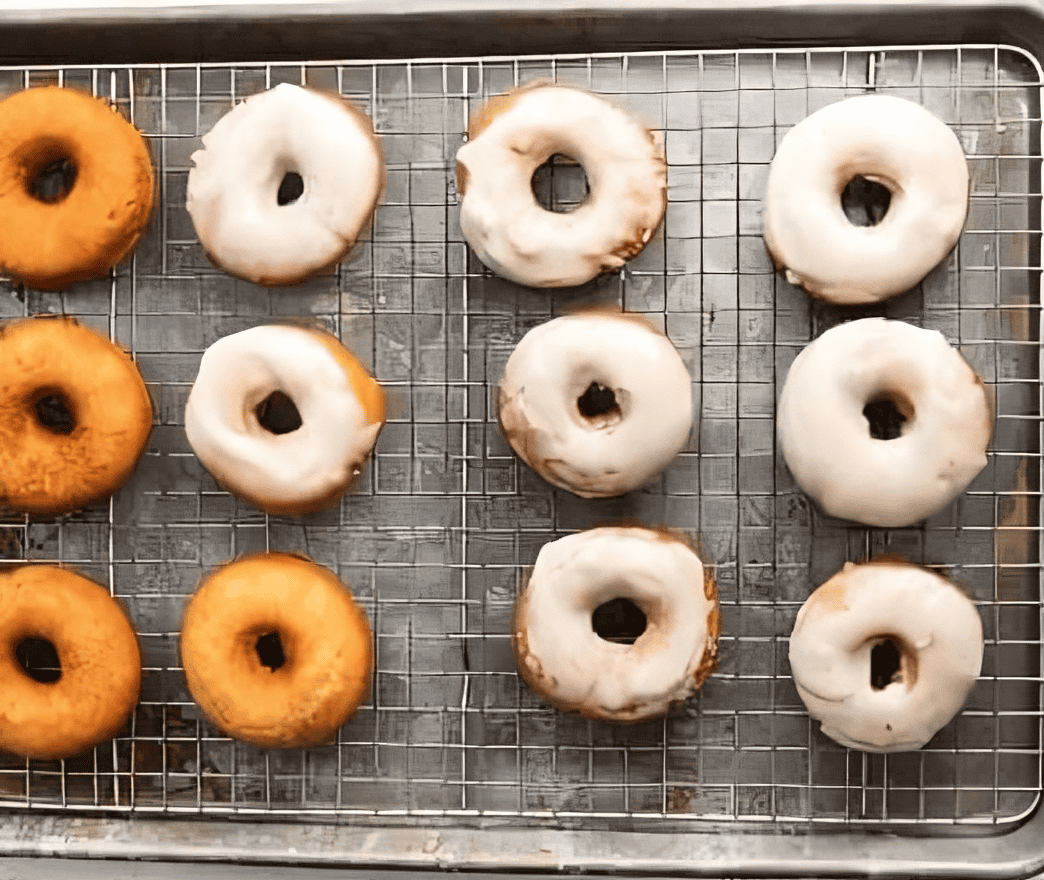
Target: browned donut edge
(542, 685)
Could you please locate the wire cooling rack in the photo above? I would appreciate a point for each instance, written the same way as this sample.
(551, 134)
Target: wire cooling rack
(441, 527)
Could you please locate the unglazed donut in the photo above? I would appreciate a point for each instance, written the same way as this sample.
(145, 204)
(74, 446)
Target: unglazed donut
(566, 662)
(885, 703)
(249, 221)
(513, 135)
(885, 140)
(76, 187)
(340, 413)
(275, 650)
(597, 403)
(75, 416)
(826, 438)
(97, 653)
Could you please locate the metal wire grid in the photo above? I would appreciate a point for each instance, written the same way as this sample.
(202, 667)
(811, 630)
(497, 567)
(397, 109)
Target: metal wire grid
(440, 529)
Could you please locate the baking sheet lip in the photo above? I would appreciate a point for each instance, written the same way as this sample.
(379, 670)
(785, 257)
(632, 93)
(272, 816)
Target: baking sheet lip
(265, 9)
(365, 28)
(450, 60)
(552, 850)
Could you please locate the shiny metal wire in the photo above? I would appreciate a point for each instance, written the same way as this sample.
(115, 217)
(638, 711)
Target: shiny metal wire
(440, 529)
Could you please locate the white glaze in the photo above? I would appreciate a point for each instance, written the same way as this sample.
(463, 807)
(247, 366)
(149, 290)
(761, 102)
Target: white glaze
(555, 363)
(839, 625)
(891, 141)
(236, 374)
(826, 440)
(232, 188)
(577, 670)
(510, 231)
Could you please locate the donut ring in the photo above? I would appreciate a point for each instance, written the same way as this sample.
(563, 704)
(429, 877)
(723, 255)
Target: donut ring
(512, 136)
(98, 221)
(47, 471)
(341, 413)
(98, 653)
(886, 140)
(325, 646)
(596, 402)
(234, 189)
(936, 645)
(825, 436)
(563, 660)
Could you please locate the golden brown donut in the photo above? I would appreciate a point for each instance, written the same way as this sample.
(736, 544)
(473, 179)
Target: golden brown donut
(50, 239)
(324, 643)
(97, 651)
(74, 416)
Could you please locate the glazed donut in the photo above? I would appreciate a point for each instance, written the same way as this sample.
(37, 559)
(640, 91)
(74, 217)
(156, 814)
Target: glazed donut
(75, 416)
(275, 650)
(284, 184)
(98, 657)
(512, 136)
(826, 417)
(597, 403)
(884, 654)
(883, 140)
(564, 660)
(335, 414)
(76, 187)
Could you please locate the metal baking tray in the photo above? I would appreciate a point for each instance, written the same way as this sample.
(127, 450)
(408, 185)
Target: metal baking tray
(452, 763)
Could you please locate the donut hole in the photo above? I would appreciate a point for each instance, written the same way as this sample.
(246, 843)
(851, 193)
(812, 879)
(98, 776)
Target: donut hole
(598, 404)
(53, 180)
(864, 201)
(887, 415)
(38, 659)
(560, 184)
(53, 412)
(278, 414)
(891, 663)
(291, 188)
(269, 648)
(619, 621)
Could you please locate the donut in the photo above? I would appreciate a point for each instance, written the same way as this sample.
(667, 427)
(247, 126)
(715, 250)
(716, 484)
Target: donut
(882, 422)
(596, 402)
(884, 654)
(285, 183)
(283, 416)
(76, 187)
(514, 134)
(48, 612)
(75, 416)
(275, 651)
(869, 142)
(565, 661)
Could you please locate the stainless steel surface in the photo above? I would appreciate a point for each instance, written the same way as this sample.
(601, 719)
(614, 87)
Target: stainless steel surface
(453, 762)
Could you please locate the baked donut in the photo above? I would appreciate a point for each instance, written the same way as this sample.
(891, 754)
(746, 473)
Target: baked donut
(302, 458)
(866, 140)
(839, 422)
(275, 650)
(47, 716)
(884, 654)
(76, 187)
(75, 416)
(565, 661)
(596, 402)
(513, 135)
(285, 183)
